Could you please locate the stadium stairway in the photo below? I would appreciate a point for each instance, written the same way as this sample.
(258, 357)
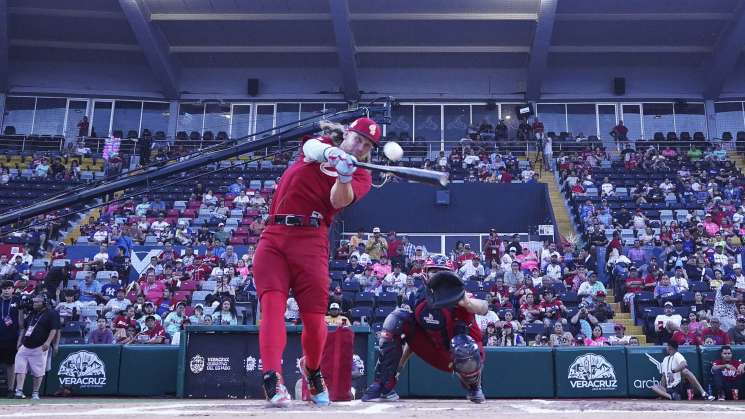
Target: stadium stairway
(558, 204)
(738, 159)
(625, 319)
(72, 235)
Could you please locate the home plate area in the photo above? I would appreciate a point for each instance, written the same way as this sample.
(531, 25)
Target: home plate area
(430, 408)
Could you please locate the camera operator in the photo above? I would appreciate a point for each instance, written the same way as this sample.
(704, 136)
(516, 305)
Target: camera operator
(38, 335)
(583, 320)
(10, 320)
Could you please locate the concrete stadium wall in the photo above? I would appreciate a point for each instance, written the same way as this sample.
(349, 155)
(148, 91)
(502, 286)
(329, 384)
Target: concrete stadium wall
(561, 82)
(474, 207)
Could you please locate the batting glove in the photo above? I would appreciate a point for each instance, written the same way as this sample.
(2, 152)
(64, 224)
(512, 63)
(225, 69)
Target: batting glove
(345, 167)
(333, 154)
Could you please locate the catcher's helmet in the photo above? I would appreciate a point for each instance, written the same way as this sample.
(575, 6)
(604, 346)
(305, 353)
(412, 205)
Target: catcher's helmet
(439, 261)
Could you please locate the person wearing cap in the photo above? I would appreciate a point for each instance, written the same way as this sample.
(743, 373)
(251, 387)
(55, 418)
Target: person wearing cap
(153, 333)
(601, 309)
(293, 250)
(619, 336)
(715, 332)
(466, 255)
(334, 318)
(588, 290)
(737, 332)
(236, 188)
(376, 245)
(197, 316)
(666, 323)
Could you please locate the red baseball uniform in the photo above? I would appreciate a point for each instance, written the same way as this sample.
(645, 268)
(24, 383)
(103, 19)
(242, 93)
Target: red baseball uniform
(296, 257)
(429, 334)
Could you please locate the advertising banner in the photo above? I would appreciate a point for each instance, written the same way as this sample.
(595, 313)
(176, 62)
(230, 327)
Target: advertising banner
(590, 372)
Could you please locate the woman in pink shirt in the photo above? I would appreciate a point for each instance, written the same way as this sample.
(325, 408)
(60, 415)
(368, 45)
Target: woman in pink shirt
(710, 226)
(597, 338)
(527, 259)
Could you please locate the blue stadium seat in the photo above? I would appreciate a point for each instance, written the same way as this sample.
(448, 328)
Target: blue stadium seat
(357, 313)
(364, 299)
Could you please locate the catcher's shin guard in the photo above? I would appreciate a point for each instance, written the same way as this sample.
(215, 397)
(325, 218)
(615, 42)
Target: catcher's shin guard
(467, 365)
(390, 348)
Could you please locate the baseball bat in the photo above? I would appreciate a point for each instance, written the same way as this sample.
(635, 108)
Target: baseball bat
(429, 177)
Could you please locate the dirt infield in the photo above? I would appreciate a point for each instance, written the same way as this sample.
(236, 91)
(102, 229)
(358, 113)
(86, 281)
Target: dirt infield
(430, 409)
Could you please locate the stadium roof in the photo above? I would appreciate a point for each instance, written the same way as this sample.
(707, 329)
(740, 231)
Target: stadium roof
(533, 34)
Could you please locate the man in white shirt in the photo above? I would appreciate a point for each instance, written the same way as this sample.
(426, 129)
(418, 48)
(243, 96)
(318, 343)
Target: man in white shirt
(160, 225)
(489, 317)
(739, 216)
(739, 277)
(606, 187)
(665, 324)
(473, 269)
(101, 234)
(396, 279)
(554, 270)
(679, 279)
(102, 256)
(672, 370)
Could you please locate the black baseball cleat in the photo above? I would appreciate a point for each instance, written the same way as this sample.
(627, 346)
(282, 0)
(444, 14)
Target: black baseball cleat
(475, 395)
(275, 392)
(376, 393)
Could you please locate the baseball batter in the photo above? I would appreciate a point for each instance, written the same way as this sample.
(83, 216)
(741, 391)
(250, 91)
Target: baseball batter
(293, 251)
(441, 329)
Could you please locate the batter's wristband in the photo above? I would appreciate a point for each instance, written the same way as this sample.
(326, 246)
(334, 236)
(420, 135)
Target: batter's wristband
(345, 178)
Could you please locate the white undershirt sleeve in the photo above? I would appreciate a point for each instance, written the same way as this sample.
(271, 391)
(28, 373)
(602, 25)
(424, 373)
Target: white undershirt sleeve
(314, 149)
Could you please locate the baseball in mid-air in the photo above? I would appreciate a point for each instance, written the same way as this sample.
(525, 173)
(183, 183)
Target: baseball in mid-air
(393, 151)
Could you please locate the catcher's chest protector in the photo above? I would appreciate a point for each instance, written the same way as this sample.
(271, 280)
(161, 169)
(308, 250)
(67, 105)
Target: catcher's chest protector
(439, 324)
(336, 365)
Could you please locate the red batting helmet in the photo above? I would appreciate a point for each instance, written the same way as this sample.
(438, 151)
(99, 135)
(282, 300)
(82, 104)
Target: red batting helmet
(367, 128)
(439, 261)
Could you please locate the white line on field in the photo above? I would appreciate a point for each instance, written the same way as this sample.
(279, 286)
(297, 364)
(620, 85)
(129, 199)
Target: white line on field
(172, 410)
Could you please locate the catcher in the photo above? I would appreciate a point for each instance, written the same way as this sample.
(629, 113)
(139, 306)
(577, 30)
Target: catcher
(441, 329)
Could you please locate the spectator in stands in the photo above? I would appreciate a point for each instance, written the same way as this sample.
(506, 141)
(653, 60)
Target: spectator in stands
(376, 245)
(143, 208)
(382, 267)
(725, 303)
(472, 270)
(101, 334)
(737, 332)
(484, 320)
(334, 317)
(148, 310)
(620, 132)
(514, 277)
(680, 279)
(109, 290)
(209, 198)
(226, 315)
(69, 309)
(173, 321)
(685, 335)
(673, 368)
(588, 290)
(666, 323)
(715, 333)
(583, 320)
(90, 289)
(116, 304)
(601, 309)
(510, 337)
(665, 289)
(229, 257)
(153, 333)
(237, 187)
(395, 279)
(552, 308)
(597, 338)
(727, 374)
(619, 337)
(559, 337)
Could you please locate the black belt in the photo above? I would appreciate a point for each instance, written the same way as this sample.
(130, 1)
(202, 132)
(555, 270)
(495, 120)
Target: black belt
(294, 220)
